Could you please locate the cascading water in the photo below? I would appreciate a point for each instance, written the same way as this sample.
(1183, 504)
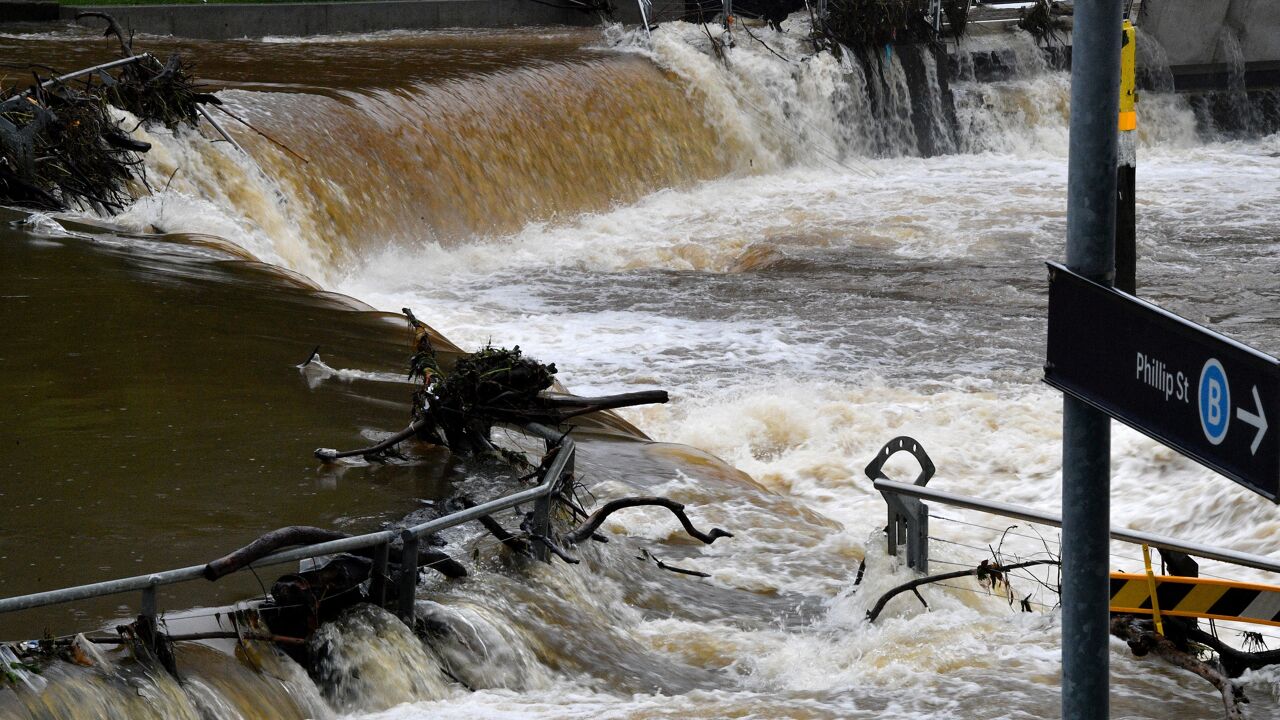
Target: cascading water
(761, 235)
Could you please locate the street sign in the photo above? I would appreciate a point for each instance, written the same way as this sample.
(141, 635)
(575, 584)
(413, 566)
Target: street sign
(1203, 394)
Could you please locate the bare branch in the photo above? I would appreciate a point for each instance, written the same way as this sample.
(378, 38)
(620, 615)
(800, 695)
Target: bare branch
(305, 535)
(985, 567)
(126, 45)
(329, 455)
(584, 531)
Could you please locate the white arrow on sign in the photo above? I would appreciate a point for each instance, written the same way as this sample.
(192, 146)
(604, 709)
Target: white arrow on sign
(1259, 421)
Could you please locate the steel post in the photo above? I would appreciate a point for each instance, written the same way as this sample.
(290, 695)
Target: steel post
(378, 575)
(1086, 432)
(408, 594)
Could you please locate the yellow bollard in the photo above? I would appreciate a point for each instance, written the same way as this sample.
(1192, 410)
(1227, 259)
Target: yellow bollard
(1128, 83)
(1126, 166)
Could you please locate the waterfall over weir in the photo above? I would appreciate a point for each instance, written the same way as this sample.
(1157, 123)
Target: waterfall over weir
(815, 252)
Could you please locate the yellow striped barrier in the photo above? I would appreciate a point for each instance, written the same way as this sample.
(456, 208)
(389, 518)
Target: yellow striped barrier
(1195, 597)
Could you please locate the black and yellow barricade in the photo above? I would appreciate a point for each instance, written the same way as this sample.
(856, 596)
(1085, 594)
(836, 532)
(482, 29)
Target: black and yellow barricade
(1196, 597)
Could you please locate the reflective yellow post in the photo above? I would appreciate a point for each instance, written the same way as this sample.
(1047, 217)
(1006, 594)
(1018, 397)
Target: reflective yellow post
(1128, 82)
(1151, 585)
(1126, 166)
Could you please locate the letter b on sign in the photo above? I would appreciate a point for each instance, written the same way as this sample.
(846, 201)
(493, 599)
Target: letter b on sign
(1215, 401)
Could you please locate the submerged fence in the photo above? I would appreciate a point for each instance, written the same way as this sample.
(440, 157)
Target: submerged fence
(553, 482)
(909, 517)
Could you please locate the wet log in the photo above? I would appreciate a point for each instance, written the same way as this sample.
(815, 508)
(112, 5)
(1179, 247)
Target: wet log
(304, 535)
(495, 528)
(470, 435)
(268, 544)
(329, 454)
(1234, 662)
(1142, 639)
(589, 526)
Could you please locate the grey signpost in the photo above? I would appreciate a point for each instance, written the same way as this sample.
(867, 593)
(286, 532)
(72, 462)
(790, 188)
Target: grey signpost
(1086, 431)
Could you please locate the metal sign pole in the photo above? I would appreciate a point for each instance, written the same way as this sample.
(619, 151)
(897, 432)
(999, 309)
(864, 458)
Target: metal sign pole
(1086, 432)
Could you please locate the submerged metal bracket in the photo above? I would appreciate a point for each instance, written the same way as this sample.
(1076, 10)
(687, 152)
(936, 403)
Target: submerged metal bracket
(558, 474)
(908, 517)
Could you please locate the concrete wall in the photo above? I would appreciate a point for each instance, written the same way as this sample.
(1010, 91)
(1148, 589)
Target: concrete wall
(1257, 24)
(1189, 30)
(219, 21)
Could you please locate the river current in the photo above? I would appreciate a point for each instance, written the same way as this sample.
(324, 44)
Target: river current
(759, 238)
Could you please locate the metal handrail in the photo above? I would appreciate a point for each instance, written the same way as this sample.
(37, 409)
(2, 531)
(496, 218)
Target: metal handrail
(549, 485)
(1019, 512)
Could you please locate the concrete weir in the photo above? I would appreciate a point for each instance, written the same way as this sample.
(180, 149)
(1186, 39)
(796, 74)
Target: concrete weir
(235, 20)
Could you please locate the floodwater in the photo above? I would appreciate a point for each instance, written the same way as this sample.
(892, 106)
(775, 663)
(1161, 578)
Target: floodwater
(756, 236)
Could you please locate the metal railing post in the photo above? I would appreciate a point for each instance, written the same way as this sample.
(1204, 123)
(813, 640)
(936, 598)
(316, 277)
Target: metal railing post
(378, 575)
(408, 577)
(551, 485)
(908, 517)
(148, 612)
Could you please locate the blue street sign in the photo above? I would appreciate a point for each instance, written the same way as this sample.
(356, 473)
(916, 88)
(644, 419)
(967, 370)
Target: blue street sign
(1195, 390)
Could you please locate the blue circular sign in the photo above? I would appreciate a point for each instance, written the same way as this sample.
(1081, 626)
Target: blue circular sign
(1215, 401)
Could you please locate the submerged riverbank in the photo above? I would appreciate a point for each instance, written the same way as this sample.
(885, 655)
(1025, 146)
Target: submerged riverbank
(760, 237)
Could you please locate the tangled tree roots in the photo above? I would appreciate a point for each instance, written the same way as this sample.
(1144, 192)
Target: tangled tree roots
(1045, 22)
(864, 25)
(61, 146)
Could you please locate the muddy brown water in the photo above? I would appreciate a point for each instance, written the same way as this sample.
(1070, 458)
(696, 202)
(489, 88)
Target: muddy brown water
(747, 234)
(153, 416)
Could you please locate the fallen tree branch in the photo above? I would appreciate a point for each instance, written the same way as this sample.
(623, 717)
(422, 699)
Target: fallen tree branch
(980, 571)
(589, 526)
(329, 454)
(126, 45)
(305, 535)
(555, 549)
(1143, 639)
(267, 544)
(578, 405)
(1234, 662)
(495, 528)
(670, 568)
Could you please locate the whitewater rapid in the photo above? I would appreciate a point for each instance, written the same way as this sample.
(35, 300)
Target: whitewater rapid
(809, 291)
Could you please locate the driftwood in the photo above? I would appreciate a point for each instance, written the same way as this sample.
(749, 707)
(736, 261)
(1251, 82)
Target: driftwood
(329, 454)
(1234, 662)
(304, 535)
(61, 146)
(553, 409)
(646, 555)
(495, 528)
(1142, 639)
(589, 526)
(983, 571)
